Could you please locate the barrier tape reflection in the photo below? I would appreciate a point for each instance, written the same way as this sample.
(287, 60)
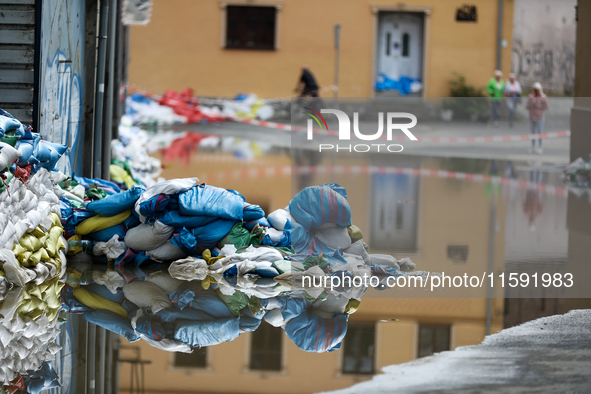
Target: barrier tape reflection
(440, 140)
(360, 170)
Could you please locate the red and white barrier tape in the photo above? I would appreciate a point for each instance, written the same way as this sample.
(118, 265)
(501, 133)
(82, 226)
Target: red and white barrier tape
(440, 140)
(356, 170)
(205, 100)
(459, 140)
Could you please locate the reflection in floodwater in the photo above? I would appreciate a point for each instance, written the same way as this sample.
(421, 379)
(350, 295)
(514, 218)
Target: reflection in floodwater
(198, 276)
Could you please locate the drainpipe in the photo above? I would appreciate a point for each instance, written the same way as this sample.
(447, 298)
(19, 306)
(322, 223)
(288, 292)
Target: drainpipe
(111, 86)
(499, 34)
(100, 89)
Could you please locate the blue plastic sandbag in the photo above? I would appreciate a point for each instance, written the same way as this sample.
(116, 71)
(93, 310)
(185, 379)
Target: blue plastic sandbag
(249, 323)
(178, 220)
(8, 124)
(106, 234)
(112, 322)
(107, 186)
(315, 334)
(200, 333)
(317, 205)
(205, 200)
(116, 203)
(171, 315)
(249, 225)
(252, 212)
(192, 295)
(195, 240)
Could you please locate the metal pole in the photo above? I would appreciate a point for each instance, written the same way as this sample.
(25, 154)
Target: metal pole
(100, 90)
(337, 47)
(91, 360)
(102, 333)
(110, 89)
(491, 259)
(499, 34)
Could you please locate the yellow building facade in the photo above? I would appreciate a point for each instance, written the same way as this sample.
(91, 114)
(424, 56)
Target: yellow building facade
(204, 45)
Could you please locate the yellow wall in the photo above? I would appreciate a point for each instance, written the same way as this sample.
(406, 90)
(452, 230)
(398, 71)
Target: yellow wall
(181, 46)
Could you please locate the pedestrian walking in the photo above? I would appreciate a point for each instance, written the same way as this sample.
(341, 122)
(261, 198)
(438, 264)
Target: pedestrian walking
(513, 96)
(537, 103)
(495, 89)
(307, 85)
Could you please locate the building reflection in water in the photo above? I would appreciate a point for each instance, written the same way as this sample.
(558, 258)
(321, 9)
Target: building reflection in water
(439, 212)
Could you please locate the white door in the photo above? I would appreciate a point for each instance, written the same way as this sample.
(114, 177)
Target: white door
(400, 45)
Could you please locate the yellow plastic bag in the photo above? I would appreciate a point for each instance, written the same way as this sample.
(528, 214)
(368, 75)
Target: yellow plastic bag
(30, 242)
(352, 306)
(97, 302)
(355, 233)
(53, 242)
(119, 175)
(97, 223)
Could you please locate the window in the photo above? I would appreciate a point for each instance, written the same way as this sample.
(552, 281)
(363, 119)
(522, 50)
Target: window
(265, 348)
(359, 348)
(433, 338)
(197, 359)
(405, 44)
(457, 253)
(250, 27)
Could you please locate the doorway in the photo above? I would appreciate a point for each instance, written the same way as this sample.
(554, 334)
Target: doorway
(400, 46)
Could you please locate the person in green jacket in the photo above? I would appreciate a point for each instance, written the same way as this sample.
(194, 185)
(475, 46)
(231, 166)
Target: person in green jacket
(495, 89)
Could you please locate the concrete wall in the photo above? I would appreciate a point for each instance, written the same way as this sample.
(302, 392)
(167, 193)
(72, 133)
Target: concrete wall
(181, 47)
(62, 76)
(544, 43)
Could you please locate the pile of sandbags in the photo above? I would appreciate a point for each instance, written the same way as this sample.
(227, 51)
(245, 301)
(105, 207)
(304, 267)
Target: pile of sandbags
(196, 265)
(32, 249)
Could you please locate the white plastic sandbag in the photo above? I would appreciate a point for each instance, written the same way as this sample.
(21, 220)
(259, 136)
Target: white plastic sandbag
(147, 237)
(166, 252)
(331, 235)
(113, 248)
(7, 155)
(147, 295)
(278, 218)
(189, 269)
(164, 280)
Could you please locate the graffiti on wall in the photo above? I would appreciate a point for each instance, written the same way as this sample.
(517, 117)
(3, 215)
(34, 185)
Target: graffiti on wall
(553, 68)
(62, 72)
(62, 106)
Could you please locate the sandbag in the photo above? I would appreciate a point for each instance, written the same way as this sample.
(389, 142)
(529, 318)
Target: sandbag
(97, 302)
(116, 203)
(104, 235)
(163, 280)
(146, 295)
(195, 240)
(147, 237)
(317, 205)
(98, 223)
(112, 322)
(113, 248)
(333, 236)
(177, 219)
(200, 333)
(205, 200)
(171, 186)
(252, 212)
(171, 315)
(166, 252)
(384, 259)
(190, 268)
(278, 218)
(314, 334)
(7, 155)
